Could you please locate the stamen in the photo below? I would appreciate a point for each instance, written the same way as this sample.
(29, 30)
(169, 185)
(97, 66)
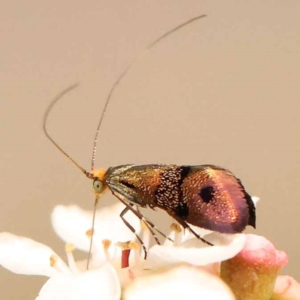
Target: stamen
(136, 248)
(146, 235)
(57, 264)
(176, 228)
(125, 258)
(89, 233)
(106, 244)
(69, 248)
(143, 225)
(125, 253)
(53, 260)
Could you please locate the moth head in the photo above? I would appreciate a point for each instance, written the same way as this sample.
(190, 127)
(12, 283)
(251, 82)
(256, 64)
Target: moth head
(99, 183)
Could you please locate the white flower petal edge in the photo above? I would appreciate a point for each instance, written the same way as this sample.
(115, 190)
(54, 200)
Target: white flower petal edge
(101, 283)
(22, 255)
(179, 283)
(286, 288)
(255, 199)
(200, 255)
(71, 224)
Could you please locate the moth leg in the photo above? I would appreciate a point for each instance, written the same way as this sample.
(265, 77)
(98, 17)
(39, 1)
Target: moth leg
(198, 236)
(186, 226)
(141, 217)
(124, 211)
(148, 222)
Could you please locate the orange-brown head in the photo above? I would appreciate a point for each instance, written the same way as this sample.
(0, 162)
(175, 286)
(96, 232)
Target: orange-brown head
(99, 183)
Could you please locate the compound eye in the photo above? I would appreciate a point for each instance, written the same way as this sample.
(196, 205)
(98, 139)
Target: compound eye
(98, 185)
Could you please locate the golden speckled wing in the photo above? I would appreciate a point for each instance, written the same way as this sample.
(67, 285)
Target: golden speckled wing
(138, 184)
(217, 200)
(206, 196)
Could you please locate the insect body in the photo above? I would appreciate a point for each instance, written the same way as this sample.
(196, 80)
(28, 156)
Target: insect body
(205, 196)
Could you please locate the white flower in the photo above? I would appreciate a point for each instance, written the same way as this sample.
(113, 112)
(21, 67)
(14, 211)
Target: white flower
(197, 253)
(116, 262)
(71, 223)
(100, 283)
(183, 282)
(24, 256)
(286, 288)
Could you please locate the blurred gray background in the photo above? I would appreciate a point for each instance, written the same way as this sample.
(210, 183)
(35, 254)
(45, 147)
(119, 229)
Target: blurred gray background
(224, 90)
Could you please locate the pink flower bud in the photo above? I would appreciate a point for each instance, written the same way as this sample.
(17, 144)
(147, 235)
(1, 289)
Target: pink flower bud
(251, 274)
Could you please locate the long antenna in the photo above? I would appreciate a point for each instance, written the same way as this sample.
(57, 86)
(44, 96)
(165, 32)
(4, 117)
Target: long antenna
(92, 232)
(121, 76)
(54, 101)
(72, 87)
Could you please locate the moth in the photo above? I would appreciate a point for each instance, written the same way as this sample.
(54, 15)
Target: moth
(206, 196)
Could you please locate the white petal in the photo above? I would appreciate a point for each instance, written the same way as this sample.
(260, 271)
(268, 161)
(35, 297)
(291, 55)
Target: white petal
(22, 255)
(101, 283)
(255, 199)
(71, 223)
(200, 231)
(286, 288)
(197, 253)
(179, 283)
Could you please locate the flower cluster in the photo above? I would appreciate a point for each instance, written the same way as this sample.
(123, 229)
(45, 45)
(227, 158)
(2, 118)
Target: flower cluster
(239, 266)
